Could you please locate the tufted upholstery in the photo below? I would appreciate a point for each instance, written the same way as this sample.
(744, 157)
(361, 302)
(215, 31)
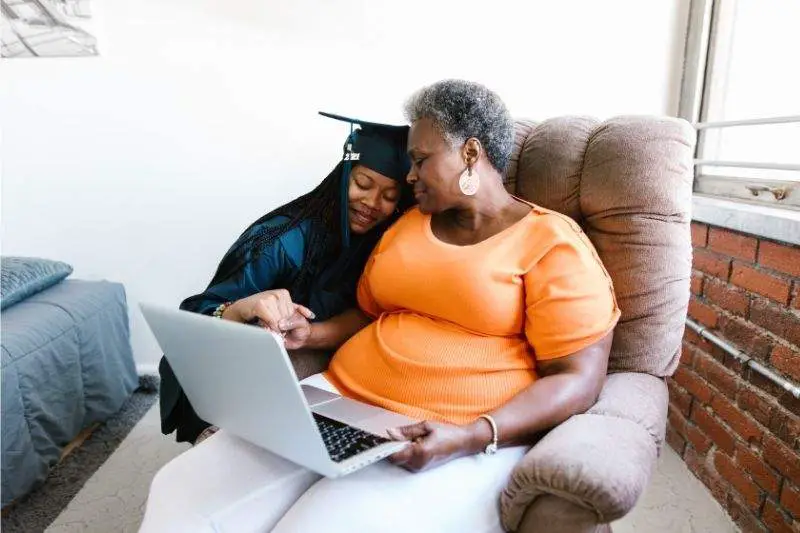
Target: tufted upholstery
(628, 182)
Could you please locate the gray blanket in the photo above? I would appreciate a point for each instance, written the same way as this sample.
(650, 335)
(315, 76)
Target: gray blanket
(66, 364)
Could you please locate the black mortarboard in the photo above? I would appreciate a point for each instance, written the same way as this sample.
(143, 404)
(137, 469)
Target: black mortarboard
(380, 147)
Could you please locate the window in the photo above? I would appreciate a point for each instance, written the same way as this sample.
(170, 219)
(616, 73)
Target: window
(741, 87)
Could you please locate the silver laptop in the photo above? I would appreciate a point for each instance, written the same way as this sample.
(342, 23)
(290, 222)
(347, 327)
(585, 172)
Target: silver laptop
(239, 378)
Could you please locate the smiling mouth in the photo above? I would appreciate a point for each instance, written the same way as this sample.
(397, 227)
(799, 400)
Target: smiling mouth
(362, 219)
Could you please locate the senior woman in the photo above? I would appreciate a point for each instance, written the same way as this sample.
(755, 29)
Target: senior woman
(483, 315)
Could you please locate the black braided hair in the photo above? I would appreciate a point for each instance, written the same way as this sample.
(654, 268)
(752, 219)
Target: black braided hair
(323, 207)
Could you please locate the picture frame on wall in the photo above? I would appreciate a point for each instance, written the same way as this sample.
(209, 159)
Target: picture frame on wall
(46, 28)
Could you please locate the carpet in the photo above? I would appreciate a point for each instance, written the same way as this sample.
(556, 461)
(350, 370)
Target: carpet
(36, 511)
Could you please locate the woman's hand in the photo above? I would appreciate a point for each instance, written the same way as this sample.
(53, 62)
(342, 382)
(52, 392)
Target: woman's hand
(268, 307)
(296, 330)
(432, 444)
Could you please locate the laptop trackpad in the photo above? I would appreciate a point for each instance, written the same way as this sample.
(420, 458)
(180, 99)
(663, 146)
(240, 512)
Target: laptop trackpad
(346, 410)
(361, 415)
(316, 396)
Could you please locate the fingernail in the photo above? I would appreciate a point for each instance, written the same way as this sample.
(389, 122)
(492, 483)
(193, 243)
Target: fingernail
(313, 316)
(394, 434)
(283, 324)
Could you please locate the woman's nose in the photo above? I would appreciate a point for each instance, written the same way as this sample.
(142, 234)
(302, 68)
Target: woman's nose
(371, 199)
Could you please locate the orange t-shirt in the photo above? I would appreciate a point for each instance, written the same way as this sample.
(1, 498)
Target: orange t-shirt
(459, 329)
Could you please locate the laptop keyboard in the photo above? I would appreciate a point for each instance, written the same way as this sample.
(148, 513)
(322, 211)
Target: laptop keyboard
(343, 441)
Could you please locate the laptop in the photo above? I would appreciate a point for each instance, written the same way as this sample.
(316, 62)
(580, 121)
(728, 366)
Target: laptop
(240, 378)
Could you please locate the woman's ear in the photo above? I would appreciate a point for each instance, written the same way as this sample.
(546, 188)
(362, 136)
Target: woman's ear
(471, 151)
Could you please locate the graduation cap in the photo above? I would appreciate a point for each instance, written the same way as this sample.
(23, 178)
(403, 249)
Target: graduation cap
(379, 147)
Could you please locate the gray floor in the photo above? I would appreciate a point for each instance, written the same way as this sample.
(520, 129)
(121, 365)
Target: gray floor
(113, 499)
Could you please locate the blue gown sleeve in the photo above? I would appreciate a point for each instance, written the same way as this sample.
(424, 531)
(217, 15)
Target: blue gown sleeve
(276, 267)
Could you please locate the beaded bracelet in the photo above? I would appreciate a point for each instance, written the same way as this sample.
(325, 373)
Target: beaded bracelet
(221, 309)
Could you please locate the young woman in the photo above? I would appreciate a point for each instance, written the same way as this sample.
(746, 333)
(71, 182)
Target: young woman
(303, 257)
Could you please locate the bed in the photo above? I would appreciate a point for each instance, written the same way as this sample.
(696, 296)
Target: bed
(66, 365)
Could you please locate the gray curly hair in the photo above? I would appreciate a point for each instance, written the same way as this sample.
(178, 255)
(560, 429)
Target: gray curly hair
(462, 109)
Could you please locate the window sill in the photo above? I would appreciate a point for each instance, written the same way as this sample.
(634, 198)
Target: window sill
(764, 221)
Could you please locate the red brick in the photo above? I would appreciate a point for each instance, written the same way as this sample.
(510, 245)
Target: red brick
(795, 295)
(687, 354)
(787, 360)
(775, 519)
(739, 480)
(776, 319)
(690, 336)
(789, 402)
(767, 385)
(733, 364)
(677, 421)
(721, 436)
(743, 425)
(699, 441)
(790, 499)
(734, 244)
(743, 517)
(727, 296)
(699, 234)
(715, 373)
(697, 283)
(703, 313)
(785, 425)
(675, 441)
(722, 357)
(781, 457)
(711, 263)
(709, 477)
(692, 383)
(746, 336)
(756, 403)
(780, 257)
(760, 282)
(762, 474)
(678, 397)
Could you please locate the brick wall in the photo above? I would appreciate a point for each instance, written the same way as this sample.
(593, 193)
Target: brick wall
(737, 432)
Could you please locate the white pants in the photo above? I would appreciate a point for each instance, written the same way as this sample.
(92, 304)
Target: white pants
(228, 485)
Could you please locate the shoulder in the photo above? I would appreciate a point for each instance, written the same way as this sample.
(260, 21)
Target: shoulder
(409, 222)
(410, 218)
(547, 231)
(267, 236)
(263, 226)
(553, 224)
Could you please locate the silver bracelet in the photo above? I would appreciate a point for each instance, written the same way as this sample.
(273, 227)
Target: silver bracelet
(491, 448)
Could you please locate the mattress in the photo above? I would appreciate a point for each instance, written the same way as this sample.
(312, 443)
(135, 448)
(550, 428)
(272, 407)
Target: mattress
(66, 364)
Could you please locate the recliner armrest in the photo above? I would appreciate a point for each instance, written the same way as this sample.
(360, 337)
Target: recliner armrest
(601, 460)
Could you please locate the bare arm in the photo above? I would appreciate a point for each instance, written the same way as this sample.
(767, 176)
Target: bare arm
(567, 386)
(332, 333)
(327, 335)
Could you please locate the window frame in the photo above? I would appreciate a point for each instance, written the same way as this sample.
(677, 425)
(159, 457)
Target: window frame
(709, 34)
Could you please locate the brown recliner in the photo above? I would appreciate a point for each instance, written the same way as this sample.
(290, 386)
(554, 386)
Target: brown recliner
(628, 182)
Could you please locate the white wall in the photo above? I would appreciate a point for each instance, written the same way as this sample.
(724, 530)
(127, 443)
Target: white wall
(144, 164)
